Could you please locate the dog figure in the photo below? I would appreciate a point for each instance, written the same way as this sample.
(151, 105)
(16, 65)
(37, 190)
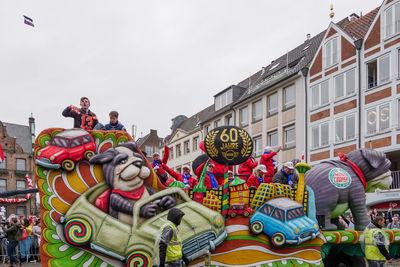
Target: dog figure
(125, 171)
(338, 187)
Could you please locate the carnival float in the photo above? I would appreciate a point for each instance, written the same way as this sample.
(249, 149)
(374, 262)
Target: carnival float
(103, 205)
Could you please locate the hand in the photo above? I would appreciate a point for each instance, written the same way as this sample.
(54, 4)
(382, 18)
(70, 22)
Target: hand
(148, 211)
(167, 202)
(75, 109)
(279, 149)
(390, 209)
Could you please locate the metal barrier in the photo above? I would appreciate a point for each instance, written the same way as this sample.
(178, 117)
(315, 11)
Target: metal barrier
(396, 180)
(33, 255)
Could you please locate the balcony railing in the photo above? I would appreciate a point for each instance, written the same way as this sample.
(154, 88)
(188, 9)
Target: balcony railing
(396, 180)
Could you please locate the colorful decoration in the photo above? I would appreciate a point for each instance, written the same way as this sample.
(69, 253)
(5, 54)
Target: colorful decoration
(225, 196)
(302, 168)
(211, 201)
(266, 192)
(239, 192)
(65, 149)
(284, 221)
(228, 145)
(20, 199)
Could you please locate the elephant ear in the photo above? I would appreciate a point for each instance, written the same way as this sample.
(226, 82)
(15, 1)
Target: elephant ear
(374, 158)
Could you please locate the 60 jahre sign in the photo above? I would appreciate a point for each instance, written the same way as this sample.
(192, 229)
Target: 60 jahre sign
(228, 145)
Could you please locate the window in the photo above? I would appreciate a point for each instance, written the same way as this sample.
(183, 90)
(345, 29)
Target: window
(378, 118)
(178, 150)
(345, 128)
(86, 139)
(272, 138)
(3, 164)
(272, 104)
(266, 209)
(295, 213)
(228, 119)
(320, 135)
(288, 95)
(257, 111)
(60, 142)
(3, 185)
(186, 147)
(76, 142)
(289, 137)
(378, 71)
(331, 52)
(257, 146)
(149, 151)
(21, 164)
(345, 84)
(178, 170)
(243, 116)
(320, 94)
(278, 214)
(21, 210)
(217, 123)
(207, 129)
(195, 143)
(171, 153)
(21, 185)
(223, 99)
(392, 20)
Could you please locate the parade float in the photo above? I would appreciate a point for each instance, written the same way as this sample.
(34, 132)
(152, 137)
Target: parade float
(84, 176)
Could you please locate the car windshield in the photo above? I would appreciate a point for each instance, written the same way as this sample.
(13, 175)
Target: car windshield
(61, 142)
(266, 209)
(295, 213)
(86, 139)
(279, 214)
(76, 142)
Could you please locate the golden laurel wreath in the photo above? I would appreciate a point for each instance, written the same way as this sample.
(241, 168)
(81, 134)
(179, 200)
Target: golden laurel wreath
(212, 150)
(247, 147)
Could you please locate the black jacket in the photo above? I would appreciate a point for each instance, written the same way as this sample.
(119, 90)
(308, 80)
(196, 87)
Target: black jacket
(282, 178)
(85, 119)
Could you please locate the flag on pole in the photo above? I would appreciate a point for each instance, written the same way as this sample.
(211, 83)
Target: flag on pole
(28, 21)
(1, 155)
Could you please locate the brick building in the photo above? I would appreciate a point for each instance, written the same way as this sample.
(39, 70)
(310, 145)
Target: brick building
(17, 143)
(150, 144)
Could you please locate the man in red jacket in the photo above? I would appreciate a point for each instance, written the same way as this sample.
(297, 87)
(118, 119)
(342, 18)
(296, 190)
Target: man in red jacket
(157, 164)
(210, 182)
(268, 161)
(184, 177)
(258, 177)
(246, 168)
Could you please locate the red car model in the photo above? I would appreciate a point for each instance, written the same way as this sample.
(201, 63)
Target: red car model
(65, 149)
(239, 209)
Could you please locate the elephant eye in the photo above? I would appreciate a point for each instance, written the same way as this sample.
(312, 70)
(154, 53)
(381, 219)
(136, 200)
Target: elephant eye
(123, 161)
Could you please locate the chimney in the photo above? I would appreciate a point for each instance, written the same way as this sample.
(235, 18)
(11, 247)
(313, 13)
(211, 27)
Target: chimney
(308, 36)
(32, 128)
(353, 17)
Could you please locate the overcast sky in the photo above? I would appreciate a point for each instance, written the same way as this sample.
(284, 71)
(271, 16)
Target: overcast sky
(149, 60)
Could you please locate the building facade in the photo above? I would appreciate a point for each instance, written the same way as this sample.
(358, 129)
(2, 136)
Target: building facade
(17, 143)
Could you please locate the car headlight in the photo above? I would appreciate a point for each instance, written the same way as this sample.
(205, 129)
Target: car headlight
(218, 221)
(39, 153)
(315, 226)
(52, 158)
(297, 230)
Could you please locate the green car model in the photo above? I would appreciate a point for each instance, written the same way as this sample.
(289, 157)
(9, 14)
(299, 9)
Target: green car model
(201, 229)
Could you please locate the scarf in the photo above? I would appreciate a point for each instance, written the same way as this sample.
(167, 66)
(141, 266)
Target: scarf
(186, 179)
(155, 163)
(214, 184)
(135, 194)
(260, 179)
(273, 161)
(289, 179)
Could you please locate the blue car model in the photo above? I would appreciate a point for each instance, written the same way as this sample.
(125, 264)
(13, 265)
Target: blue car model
(283, 220)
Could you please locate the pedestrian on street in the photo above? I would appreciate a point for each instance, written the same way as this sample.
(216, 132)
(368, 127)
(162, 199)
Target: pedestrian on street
(170, 245)
(12, 232)
(376, 243)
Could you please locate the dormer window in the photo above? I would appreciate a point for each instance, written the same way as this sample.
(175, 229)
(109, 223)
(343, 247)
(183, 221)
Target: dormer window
(331, 52)
(223, 99)
(392, 20)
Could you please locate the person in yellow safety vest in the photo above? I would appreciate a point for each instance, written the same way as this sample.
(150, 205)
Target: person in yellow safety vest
(376, 243)
(170, 242)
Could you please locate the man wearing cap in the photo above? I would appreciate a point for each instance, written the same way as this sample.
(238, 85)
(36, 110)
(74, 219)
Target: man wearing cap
(258, 177)
(170, 242)
(210, 182)
(184, 177)
(267, 159)
(157, 164)
(286, 175)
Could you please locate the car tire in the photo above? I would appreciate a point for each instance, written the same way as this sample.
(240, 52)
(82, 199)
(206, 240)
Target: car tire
(78, 232)
(233, 214)
(88, 154)
(278, 240)
(139, 258)
(68, 165)
(246, 214)
(256, 227)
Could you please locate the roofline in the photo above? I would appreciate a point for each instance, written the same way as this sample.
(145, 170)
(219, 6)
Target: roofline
(226, 89)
